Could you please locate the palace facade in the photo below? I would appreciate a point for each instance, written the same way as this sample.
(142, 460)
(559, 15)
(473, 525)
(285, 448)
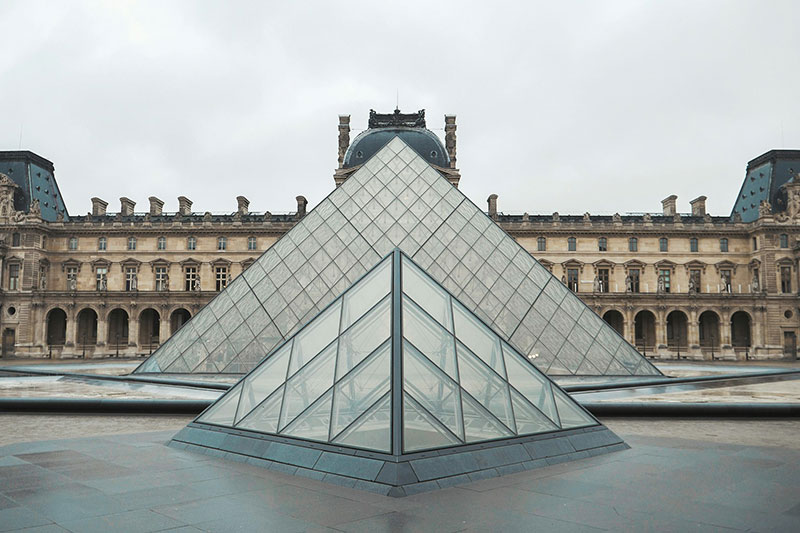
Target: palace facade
(674, 284)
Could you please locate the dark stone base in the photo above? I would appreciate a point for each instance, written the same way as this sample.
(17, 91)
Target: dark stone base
(397, 475)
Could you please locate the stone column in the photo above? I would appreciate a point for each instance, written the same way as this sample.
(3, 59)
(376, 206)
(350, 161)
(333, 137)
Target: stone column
(72, 328)
(693, 334)
(630, 327)
(163, 326)
(725, 349)
(661, 332)
(102, 327)
(133, 328)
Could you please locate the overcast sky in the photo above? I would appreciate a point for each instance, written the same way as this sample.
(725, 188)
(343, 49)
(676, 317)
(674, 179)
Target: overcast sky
(562, 106)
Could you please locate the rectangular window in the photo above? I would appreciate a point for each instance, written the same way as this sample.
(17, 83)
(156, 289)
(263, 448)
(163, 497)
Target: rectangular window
(723, 245)
(130, 279)
(602, 275)
(72, 278)
(102, 244)
(191, 243)
(73, 243)
(693, 244)
(571, 244)
(13, 277)
(131, 243)
(162, 243)
(222, 243)
(784, 240)
(755, 243)
(15, 239)
(251, 243)
(602, 244)
(786, 279)
(663, 244)
(221, 277)
(664, 274)
(572, 279)
(541, 244)
(694, 280)
(102, 278)
(633, 244)
(636, 276)
(161, 278)
(191, 279)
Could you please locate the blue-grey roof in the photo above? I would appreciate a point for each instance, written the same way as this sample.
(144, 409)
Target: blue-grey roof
(36, 178)
(763, 179)
(422, 140)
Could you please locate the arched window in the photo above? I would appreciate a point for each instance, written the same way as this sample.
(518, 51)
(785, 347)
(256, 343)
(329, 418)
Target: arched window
(784, 240)
(663, 244)
(693, 244)
(102, 244)
(131, 243)
(222, 243)
(572, 244)
(541, 244)
(162, 243)
(73, 243)
(251, 243)
(602, 244)
(633, 244)
(191, 243)
(723, 245)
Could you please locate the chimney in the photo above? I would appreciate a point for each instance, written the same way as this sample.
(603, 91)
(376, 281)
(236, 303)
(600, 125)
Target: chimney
(184, 205)
(156, 205)
(99, 206)
(492, 206)
(344, 137)
(699, 206)
(301, 206)
(450, 138)
(242, 204)
(126, 206)
(668, 204)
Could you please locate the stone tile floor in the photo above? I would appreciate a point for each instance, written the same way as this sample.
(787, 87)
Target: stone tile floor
(134, 483)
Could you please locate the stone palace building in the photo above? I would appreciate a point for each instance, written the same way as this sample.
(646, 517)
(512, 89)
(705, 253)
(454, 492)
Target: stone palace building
(674, 284)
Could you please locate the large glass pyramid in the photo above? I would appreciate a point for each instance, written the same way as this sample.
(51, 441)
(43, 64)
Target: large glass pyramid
(396, 366)
(397, 200)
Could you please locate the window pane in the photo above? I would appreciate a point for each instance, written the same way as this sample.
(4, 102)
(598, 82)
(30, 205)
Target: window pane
(425, 293)
(265, 417)
(530, 383)
(310, 383)
(478, 338)
(367, 293)
(362, 339)
(529, 420)
(361, 389)
(373, 430)
(430, 338)
(570, 415)
(486, 387)
(315, 337)
(314, 423)
(223, 411)
(479, 424)
(420, 430)
(263, 382)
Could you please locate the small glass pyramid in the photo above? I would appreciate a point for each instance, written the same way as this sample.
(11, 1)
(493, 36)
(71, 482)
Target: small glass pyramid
(396, 365)
(397, 200)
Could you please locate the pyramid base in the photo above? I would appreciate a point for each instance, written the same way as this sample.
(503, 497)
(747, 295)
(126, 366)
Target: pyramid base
(398, 475)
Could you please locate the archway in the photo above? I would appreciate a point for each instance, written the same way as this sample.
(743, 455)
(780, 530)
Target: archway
(87, 327)
(56, 327)
(118, 329)
(740, 330)
(178, 318)
(149, 329)
(677, 332)
(708, 329)
(615, 320)
(645, 331)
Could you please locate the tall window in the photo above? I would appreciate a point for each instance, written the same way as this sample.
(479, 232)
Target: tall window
(693, 244)
(15, 239)
(13, 277)
(72, 276)
(251, 243)
(694, 275)
(191, 243)
(633, 244)
(726, 276)
(571, 244)
(102, 278)
(191, 278)
(786, 279)
(784, 239)
(130, 279)
(161, 278)
(636, 276)
(162, 243)
(723, 245)
(602, 275)
(664, 273)
(755, 243)
(572, 279)
(73, 243)
(663, 244)
(541, 244)
(102, 243)
(221, 277)
(602, 244)
(131, 243)
(222, 243)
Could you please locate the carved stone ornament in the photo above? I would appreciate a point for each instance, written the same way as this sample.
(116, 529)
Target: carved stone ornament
(647, 217)
(616, 217)
(764, 209)
(35, 210)
(388, 120)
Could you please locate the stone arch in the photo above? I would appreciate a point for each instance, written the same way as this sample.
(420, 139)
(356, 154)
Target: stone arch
(149, 329)
(677, 331)
(87, 327)
(645, 330)
(741, 330)
(118, 328)
(616, 320)
(56, 327)
(708, 330)
(178, 318)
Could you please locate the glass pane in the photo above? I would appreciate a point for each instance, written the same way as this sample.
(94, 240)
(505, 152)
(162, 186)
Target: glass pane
(367, 293)
(478, 338)
(306, 386)
(362, 339)
(264, 380)
(533, 386)
(314, 423)
(315, 337)
(479, 424)
(373, 430)
(570, 414)
(485, 386)
(361, 388)
(265, 417)
(223, 411)
(529, 419)
(430, 338)
(434, 391)
(428, 295)
(420, 430)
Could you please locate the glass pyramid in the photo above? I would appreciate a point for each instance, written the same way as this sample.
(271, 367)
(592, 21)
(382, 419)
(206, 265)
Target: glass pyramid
(397, 200)
(396, 365)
